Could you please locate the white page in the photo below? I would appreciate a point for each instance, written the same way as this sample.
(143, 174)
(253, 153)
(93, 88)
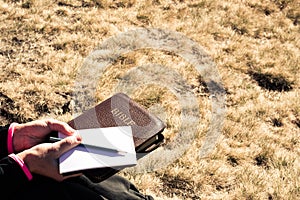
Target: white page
(80, 157)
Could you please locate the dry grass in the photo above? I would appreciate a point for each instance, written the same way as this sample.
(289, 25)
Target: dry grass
(254, 44)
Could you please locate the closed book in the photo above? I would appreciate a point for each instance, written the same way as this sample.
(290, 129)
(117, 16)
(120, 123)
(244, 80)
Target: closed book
(121, 110)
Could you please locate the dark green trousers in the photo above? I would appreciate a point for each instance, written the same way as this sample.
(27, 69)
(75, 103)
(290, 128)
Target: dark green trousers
(80, 188)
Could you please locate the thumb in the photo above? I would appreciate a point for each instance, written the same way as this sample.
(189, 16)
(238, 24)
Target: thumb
(68, 143)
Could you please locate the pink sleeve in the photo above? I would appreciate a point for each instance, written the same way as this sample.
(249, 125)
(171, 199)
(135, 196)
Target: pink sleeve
(10, 135)
(22, 165)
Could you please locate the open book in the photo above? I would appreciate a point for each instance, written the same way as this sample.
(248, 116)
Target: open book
(101, 147)
(120, 110)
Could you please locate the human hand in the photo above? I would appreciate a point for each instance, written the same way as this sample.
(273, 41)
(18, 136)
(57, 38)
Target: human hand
(35, 132)
(42, 158)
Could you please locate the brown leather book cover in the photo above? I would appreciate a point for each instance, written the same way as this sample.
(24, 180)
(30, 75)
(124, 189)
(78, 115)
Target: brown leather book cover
(121, 110)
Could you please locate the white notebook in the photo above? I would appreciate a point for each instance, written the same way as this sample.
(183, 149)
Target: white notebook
(85, 157)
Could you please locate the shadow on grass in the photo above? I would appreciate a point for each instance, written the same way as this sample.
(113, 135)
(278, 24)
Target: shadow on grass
(271, 82)
(9, 111)
(180, 187)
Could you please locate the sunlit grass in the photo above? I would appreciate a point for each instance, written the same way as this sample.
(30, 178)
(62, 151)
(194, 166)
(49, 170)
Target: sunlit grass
(255, 45)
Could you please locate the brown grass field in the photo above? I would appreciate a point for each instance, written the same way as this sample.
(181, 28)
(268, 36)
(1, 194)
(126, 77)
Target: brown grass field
(255, 46)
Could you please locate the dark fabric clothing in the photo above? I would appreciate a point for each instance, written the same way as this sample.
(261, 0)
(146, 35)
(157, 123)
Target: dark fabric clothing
(3, 141)
(15, 185)
(12, 177)
(79, 188)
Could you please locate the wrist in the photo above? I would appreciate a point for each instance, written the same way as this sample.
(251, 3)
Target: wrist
(25, 156)
(18, 138)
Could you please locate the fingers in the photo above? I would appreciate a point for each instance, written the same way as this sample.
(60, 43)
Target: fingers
(65, 145)
(68, 143)
(59, 126)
